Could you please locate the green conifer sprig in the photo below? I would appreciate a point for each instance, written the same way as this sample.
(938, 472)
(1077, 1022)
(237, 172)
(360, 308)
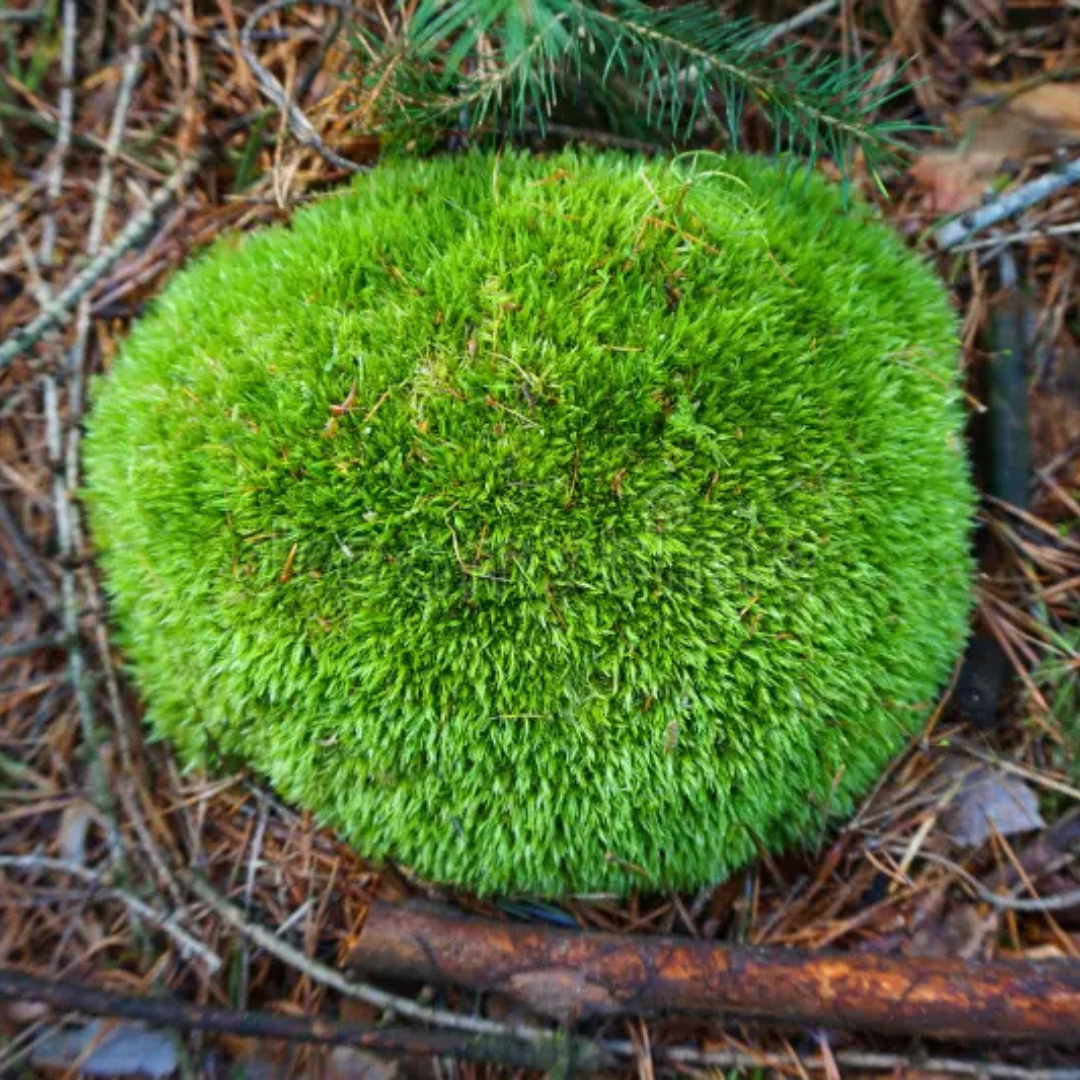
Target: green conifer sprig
(510, 61)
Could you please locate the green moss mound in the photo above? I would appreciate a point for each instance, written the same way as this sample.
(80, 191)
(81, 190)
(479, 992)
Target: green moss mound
(547, 525)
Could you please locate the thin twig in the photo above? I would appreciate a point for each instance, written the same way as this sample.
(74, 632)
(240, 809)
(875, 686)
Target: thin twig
(54, 184)
(76, 360)
(299, 124)
(169, 1012)
(1024, 236)
(189, 946)
(1038, 905)
(63, 508)
(797, 22)
(328, 976)
(30, 645)
(135, 231)
(128, 78)
(1007, 206)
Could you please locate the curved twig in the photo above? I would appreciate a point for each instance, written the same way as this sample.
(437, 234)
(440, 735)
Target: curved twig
(299, 124)
(1036, 905)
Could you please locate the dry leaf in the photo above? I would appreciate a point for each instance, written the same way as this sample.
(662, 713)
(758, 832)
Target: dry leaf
(1051, 110)
(954, 181)
(1043, 118)
(989, 801)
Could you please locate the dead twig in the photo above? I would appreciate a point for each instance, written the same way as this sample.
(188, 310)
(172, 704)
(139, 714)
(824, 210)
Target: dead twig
(64, 508)
(299, 124)
(168, 1012)
(797, 22)
(1007, 206)
(190, 947)
(328, 976)
(1038, 905)
(55, 181)
(136, 230)
(31, 15)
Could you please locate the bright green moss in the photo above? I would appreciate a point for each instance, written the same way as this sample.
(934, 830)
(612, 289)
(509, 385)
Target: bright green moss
(641, 539)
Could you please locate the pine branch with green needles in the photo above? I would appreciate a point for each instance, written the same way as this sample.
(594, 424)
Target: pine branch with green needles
(510, 61)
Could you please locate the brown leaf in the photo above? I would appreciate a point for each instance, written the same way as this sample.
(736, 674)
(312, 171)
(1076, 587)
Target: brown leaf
(1051, 111)
(1007, 128)
(954, 181)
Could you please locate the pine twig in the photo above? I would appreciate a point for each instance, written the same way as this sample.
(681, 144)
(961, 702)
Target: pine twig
(189, 946)
(136, 230)
(299, 124)
(1007, 206)
(54, 183)
(676, 58)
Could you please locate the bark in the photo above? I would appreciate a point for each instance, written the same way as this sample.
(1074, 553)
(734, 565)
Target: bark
(575, 975)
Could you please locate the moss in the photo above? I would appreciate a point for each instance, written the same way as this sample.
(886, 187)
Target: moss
(547, 525)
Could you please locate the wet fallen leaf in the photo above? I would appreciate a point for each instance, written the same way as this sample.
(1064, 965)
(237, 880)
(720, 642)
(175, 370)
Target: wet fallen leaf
(123, 1050)
(989, 801)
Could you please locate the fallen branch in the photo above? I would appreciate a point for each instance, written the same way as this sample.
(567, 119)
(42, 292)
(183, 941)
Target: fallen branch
(571, 974)
(1006, 206)
(169, 1012)
(172, 1013)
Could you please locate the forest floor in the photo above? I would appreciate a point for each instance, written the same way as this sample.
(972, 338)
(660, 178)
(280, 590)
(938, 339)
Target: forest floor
(132, 133)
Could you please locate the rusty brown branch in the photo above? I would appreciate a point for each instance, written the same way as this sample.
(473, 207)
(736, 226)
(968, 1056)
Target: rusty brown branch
(578, 975)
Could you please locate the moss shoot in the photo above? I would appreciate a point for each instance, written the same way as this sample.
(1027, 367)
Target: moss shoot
(547, 525)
